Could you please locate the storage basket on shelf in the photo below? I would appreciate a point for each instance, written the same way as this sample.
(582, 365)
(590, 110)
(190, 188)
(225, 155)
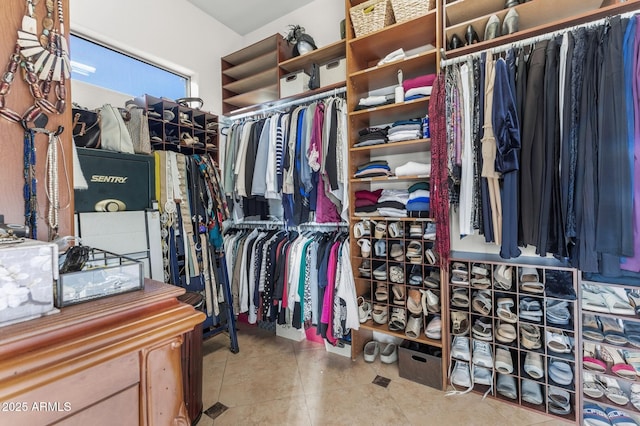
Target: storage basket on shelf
(370, 16)
(405, 10)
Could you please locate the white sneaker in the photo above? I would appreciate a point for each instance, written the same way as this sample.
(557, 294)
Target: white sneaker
(461, 375)
(460, 348)
(482, 354)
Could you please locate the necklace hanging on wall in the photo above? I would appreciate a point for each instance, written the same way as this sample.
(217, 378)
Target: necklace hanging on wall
(42, 59)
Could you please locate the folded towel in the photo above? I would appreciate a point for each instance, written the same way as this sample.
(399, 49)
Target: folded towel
(404, 136)
(396, 55)
(372, 100)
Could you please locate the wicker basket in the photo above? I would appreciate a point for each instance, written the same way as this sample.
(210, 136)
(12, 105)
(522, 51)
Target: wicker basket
(405, 10)
(370, 16)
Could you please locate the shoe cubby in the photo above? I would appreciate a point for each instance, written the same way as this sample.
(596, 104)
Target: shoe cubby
(182, 129)
(611, 346)
(508, 312)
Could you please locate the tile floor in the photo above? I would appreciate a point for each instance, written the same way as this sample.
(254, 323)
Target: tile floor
(276, 381)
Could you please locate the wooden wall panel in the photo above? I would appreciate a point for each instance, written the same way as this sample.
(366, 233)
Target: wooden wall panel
(19, 99)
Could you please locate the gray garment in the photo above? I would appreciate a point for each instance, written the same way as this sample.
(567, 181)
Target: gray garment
(230, 157)
(259, 185)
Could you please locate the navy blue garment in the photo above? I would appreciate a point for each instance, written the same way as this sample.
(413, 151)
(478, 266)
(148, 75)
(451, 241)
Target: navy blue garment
(614, 232)
(521, 96)
(507, 133)
(487, 222)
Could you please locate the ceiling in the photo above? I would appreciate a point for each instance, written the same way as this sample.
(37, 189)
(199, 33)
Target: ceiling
(244, 16)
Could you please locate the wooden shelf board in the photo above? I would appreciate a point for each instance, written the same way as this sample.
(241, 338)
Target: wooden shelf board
(408, 35)
(387, 75)
(254, 82)
(275, 102)
(383, 328)
(390, 178)
(377, 116)
(269, 44)
(464, 10)
(355, 219)
(246, 69)
(259, 96)
(539, 29)
(403, 147)
(319, 56)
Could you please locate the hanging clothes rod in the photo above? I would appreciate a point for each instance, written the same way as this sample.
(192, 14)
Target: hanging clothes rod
(277, 106)
(529, 41)
(323, 225)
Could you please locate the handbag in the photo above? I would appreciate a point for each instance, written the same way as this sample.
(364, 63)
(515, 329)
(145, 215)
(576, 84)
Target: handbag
(138, 127)
(114, 133)
(86, 128)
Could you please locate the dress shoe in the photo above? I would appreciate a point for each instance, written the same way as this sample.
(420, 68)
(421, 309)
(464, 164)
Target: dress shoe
(492, 30)
(510, 23)
(455, 42)
(471, 36)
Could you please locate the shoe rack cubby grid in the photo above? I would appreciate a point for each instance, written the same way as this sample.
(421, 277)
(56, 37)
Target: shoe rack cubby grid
(498, 273)
(382, 293)
(608, 330)
(169, 121)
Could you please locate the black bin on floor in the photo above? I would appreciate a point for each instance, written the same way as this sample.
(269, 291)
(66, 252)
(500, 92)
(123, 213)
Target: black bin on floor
(191, 356)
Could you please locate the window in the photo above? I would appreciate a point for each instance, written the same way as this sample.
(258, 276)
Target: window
(107, 68)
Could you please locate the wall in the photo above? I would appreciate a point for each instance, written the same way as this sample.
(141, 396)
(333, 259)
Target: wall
(171, 33)
(320, 18)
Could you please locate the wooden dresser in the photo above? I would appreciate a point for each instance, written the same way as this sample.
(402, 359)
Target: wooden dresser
(114, 361)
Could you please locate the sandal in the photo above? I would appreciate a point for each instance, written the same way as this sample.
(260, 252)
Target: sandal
(612, 390)
(615, 303)
(530, 281)
(398, 320)
(590, 386)
(398, 294)
(365, 247)
(379, 314)
(620, 367)
(530, 336)
(430, 302)
(415, 230)
(414, 326)
(481, 330)
(613, 331)
(396, 230)
(364, 310)
(433, 330)
(505, 333)
(380, 273)
(414, 252)
(459, 323)
(481, 283)
(430, 257)
(396, 274)
(382, 293)
(380, 230)
(362, 229)
(633, 359)
(397, 253)
(365, 269)
(459, 297)
(590, 359)
(414, 301)
(558, 342)
(634, 299)
(433, 279)
(503, 277)
(591, 328)
(380, 248)
(504, 312)
(482, 302)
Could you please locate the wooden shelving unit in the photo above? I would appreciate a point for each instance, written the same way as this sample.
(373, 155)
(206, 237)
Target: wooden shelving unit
(251, 76)
(420, 37)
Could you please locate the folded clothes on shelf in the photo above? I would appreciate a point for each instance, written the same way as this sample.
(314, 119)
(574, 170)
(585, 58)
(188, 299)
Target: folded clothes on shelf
(374, 101)
(373, 169)
(398, 195)
(371, 136)
(396, 55)
(369, 195)
(418, 91)
(420, 81)
(413, 168)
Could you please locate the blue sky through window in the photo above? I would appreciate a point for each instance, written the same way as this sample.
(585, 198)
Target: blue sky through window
(107, 68)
